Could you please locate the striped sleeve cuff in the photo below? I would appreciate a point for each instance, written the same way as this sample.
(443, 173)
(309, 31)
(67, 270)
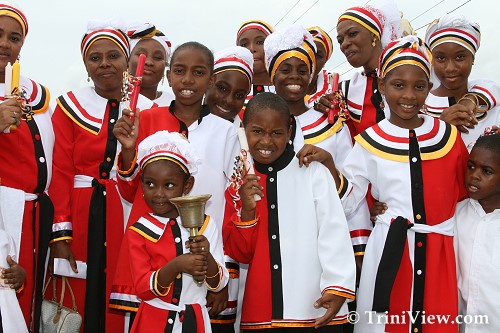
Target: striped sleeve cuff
(344, 186)
(232, 267)
(246, 224)
(359, 238)
(340, 291)
(130, 173)
(62, 229)
(124, 302)
(155, 287)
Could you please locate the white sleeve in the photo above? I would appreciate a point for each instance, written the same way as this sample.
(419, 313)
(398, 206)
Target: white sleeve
(213, 234)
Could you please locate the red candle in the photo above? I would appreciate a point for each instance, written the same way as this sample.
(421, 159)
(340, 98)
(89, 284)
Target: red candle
(331, 113)
(137, 83)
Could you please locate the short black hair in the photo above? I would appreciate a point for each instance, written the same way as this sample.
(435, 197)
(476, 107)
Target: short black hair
(195, 45)
(490, 142)
(266, 101)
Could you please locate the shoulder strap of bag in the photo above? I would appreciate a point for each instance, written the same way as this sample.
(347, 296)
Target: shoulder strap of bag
(66, 282)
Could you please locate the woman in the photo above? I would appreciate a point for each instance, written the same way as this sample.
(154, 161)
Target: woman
(26, 145)
(468, 104)
(146, 39)
(362, 33)
(85, 173)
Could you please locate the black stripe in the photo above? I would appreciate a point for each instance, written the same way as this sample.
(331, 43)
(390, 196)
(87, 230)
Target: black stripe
(232, 67)
(273, 61)
(39, 156)
(408, 57)
(146, 230)
(77, 118)
(61, 233)
(417, 199)
(128, 304)
(376, 99)
(40, 104)
(229, 317)
(189, 324)
(321, 131)
(359, 248)
(440, 145)
(389, 150)
(233, 266)
(343, 190)
(139, 34)
(468, 42)
(361, 18)
(111, 144)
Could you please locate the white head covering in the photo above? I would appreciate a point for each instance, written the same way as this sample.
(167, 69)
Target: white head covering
(234, 58)
(137, 32)
(171, 146)
(113, 29)
(294, 41)
(454, 28)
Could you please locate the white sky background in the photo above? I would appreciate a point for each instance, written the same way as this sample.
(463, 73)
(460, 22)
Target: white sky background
(51, 53)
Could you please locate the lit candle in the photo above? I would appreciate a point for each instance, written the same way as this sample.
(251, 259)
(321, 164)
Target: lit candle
(16, 71)
(8, 80)
(137, 86)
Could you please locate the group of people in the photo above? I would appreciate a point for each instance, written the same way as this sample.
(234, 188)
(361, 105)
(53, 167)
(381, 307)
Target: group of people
(376, 193)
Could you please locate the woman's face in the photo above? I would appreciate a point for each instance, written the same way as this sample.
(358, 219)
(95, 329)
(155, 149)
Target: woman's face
(355, 42)
(156, 61)
(452, 65)
(105, 64)
(253, 40)
(11, 41)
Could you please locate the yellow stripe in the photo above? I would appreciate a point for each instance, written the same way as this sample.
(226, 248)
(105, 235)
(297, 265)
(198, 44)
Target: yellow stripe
(204, 226)
(69, 238)
(74, 119)
(143, 234)
(383, 154)
(245, 224)
(356, 254)
(15, 16)
(220, 321)
(123, 307)
(325, 135)
(168, 158)
(156, 285)
(45, 106)
(363, 23)
(404, 62)
(342, 183)
(443, 151)
(339, 293)
(87, 47)
(287, 55)
(237, 70)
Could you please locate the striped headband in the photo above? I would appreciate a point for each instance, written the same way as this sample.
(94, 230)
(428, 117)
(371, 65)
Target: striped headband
(104, 30)
(320, 36)
(170, 146)
(409, 50)
(148, 30)
(368, 16)
(254, 24)
(454, 28)
(295, 41)
(235, 58)
(16, 14)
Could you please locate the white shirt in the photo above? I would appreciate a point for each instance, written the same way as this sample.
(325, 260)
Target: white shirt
(477, 247)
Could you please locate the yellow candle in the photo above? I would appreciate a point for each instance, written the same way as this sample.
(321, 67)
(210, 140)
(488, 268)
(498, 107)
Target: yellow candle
(16, 70)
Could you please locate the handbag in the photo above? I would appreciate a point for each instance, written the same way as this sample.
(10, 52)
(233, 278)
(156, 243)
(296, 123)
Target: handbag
(55, 317)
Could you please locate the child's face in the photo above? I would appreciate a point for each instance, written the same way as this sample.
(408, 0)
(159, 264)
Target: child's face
(154, 67)
(268, 133)
(227, 96)
(405, 89)
(163, 180)
(253, 40)
(482, 177)
(291, 80)
(320, 57)
(452, 65)
(190, 76)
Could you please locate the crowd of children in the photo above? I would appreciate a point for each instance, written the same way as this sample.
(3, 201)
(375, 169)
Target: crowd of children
(292, 160)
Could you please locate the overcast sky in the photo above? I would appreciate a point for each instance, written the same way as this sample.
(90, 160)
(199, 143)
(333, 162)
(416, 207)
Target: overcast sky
(51, 53)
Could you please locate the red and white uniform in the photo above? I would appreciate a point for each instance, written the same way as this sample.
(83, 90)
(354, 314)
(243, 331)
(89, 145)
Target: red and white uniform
(420, 175)
(25, 172)
(153, 242)
(293, 255)
(84, 167)
(490, 116)
(324, 86)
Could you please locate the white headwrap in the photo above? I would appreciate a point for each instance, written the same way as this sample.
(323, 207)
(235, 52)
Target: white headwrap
(454, 28)
(235, 58)
(294, 41)
(137, 32)
(113, 29)
(171, 146)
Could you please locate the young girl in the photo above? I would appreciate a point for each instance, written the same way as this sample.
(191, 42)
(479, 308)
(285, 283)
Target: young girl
(401, 157)
(162, 268)
(295, 238)
(477, 237)
(468, 104)
(233, 75)
(148, 40)
(190, 74)
(251, 35)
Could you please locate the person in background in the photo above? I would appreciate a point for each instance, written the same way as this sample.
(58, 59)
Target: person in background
(26, 146)
(477, 237)
(251, 35)
(89, 213)
(165, 259)
(233, 75)
(469, 104)
(148, 40)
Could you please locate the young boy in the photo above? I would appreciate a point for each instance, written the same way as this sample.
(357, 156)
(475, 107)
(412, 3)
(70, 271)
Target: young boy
(295, 239)
(477, 237)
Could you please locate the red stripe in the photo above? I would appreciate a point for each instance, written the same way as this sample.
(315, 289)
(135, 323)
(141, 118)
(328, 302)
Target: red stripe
(488, 93)
(432, 133)
(82, 110)
(369, 14)
(200, 323)
(235, 60)
(325, 86)
(160, 152)
(34, 93)
(231, 304)
(360, 233)
(354, 105)
(437, 107)
(455, 30)
(316, 123)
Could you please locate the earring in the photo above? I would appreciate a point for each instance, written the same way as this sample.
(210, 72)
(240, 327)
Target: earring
(374, 42)
(88, 78)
